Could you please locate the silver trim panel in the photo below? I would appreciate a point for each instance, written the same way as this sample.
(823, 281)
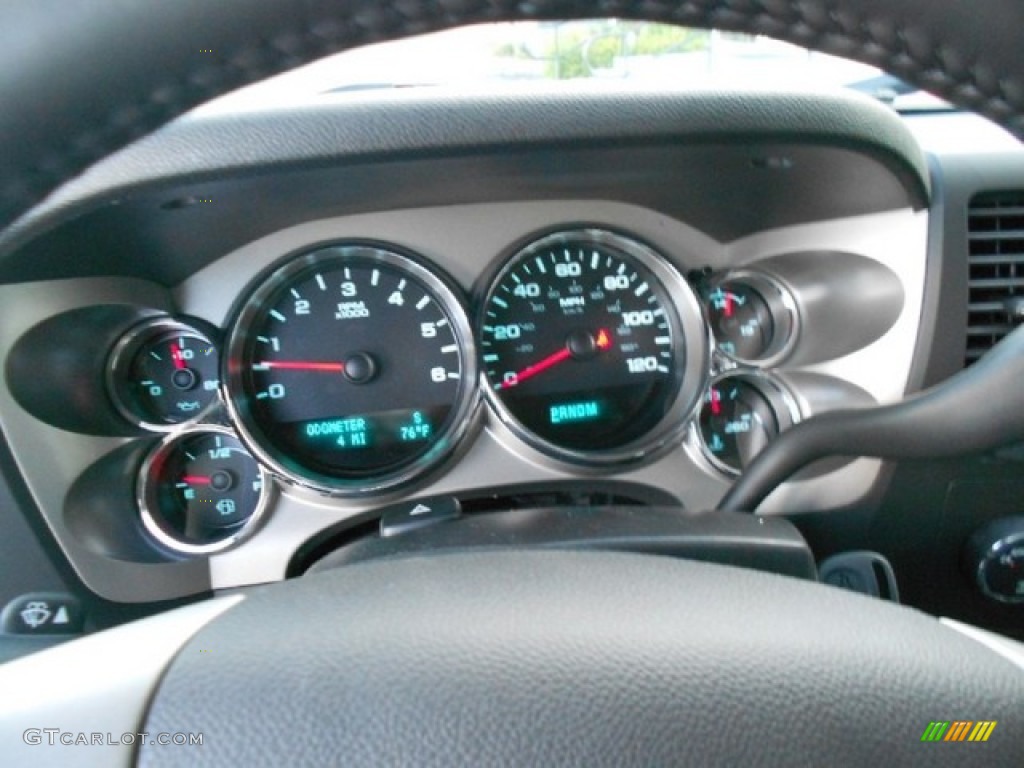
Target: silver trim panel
(464, 241)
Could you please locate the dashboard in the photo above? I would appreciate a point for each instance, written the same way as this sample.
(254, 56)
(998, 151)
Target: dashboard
(265, 346)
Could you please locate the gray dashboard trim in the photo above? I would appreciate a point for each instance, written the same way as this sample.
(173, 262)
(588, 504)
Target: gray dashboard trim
(463, 241)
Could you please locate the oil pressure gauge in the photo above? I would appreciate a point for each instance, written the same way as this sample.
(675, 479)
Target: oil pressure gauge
(164, 373)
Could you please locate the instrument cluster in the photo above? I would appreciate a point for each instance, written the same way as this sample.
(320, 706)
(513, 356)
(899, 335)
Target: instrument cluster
(357, 368)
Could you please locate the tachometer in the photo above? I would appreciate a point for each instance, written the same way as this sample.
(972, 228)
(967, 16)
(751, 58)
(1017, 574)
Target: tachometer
(351, 369)
(592, 345)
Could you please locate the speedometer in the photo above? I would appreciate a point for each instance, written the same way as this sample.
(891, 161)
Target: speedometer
(351, 369)
(592, 346)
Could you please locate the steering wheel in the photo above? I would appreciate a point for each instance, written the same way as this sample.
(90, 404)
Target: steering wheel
(523, 657)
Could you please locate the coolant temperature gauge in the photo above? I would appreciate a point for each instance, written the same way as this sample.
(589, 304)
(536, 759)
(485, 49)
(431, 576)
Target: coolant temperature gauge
(740, 415)
(201, 492)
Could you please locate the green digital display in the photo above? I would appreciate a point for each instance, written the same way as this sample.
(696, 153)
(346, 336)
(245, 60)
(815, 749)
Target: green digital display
(352, 432)
(374, 430)
(417, 428)
(570, 413)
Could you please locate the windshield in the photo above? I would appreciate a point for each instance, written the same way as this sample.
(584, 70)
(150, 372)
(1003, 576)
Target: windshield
(607, 50)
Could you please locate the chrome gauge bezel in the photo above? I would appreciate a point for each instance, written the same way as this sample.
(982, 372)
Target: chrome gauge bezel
(782, 400)
(144, 487)
(691, 326)
(460, 422)
(124, 351)
(784, 310)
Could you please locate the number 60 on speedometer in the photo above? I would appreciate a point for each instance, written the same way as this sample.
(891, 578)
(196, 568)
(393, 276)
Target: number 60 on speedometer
(592, 347)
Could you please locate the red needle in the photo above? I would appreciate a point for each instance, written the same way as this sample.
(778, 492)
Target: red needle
(196, 480)
(301, 365)
(728, 305)
(716, 402)
(533, 370)
(602, 343)
(178, 356)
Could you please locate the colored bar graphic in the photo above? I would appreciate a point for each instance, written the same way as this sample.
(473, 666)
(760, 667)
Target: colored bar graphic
(958, 730)
(982, 730)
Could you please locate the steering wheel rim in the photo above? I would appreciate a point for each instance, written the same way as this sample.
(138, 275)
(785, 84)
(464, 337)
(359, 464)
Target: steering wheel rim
(583, 658)
(154, 61)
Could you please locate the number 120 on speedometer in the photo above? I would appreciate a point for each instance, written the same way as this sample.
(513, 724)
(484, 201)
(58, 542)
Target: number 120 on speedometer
(582, 346)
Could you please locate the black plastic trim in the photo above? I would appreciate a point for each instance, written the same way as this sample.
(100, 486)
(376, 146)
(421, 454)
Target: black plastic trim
(694, 156)
(766, 544)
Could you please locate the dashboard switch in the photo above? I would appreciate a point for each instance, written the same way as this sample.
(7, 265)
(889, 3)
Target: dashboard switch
(43, 613)
(403, 518)
(995, 559)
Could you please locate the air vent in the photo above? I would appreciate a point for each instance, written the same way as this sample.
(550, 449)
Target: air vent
(995, 234)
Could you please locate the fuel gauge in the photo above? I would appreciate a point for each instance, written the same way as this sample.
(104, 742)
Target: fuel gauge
(201, 492)
(163, 374)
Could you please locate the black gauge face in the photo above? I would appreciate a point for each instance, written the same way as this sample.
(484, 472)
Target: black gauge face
(165, 374)
(349, 368)
(753, 317)
(737, 420)
(581, 346)
(741, 321)
(200, 490)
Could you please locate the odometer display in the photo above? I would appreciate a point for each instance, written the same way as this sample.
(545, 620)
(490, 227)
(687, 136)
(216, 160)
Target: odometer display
(351, 368)
(583, 348)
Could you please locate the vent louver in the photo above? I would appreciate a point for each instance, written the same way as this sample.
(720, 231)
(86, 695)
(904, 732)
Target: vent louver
(995, 235)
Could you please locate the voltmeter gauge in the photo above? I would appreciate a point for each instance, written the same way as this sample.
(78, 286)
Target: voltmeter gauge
(753, 318)
(164, 373)
(740, 415)
(201, 492)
